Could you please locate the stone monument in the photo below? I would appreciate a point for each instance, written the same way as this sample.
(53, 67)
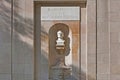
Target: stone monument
(58, 69)
(60, 47)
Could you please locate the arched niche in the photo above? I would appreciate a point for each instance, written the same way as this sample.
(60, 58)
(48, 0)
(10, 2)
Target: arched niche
(90, 23)
(56, 67)
(53, 54)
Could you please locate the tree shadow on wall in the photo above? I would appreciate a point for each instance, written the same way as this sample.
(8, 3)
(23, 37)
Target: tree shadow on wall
(18, 34)
(22, 36)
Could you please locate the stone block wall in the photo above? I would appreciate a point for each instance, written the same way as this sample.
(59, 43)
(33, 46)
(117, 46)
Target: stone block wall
(5, 40)
(17, 40)
(22, 40)
(114, 19)
(108, 39)
(103, 44)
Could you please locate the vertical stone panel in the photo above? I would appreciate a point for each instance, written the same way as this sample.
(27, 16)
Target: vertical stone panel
(5, 39)
(103, 54)
(22, 41)
(114, 16)
(83, 44)
(91, 39)
(37, 41)
(29, 56)
(18, 40)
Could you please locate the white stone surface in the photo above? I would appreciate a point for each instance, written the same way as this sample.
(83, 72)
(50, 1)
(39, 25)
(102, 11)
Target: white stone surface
(60, 13)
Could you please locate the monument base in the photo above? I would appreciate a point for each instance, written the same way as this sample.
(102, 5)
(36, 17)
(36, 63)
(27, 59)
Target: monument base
(60, 73)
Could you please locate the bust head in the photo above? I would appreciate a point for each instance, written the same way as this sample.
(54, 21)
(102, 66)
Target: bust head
(60, 40)
(60, 34)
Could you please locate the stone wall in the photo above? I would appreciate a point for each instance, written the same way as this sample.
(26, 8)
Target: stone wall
(17, 40)
(108, 39)
(103, 44)
(22, 40)
(114, 19)
(5, 40)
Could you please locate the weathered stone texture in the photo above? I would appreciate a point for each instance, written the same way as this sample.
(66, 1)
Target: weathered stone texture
(114, 18)
(103, 54)
(5, 40)
(22, 40)
(91, 39)
(17, 56)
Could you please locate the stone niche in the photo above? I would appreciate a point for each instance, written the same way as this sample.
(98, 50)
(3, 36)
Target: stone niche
(59, 47)
(52, 65)
(49, 55)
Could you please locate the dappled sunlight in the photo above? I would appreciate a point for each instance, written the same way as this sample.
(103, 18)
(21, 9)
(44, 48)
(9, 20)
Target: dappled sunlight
(26, 39)
(16, 40)
(18, 34)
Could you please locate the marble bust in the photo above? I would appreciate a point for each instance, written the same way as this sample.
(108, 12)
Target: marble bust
(60, 41)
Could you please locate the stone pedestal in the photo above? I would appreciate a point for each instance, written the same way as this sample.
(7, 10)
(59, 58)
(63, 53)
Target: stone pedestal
(60, 73)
